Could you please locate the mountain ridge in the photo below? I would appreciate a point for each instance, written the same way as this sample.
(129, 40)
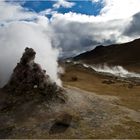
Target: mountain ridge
(125, 54)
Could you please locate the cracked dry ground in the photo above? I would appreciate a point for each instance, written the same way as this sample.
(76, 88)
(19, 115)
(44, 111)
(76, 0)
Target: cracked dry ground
(93, 116)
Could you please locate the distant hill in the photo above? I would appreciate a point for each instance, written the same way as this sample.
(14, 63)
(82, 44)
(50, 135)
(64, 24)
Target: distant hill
(126, 54)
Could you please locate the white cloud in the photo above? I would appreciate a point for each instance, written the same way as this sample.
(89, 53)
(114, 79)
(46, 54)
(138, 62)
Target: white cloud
(75, 33)
(9, 11)
(63, 3)
(120, 9)
(48, 12)
(95, 1)
(71, 32)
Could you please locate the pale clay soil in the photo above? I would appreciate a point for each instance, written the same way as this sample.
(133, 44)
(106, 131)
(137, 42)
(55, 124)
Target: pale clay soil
(93, 116)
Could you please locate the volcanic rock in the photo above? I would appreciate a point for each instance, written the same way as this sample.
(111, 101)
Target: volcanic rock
(28, 78)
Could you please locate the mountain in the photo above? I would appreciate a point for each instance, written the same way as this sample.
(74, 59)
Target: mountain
(126, 54)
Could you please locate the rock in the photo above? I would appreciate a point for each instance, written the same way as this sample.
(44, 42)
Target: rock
(108, 81)
(130, 85)
(74, 78)
(28, 77)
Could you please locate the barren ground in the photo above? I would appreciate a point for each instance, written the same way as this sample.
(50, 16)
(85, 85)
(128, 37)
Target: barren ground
(93, 116)
(94, 110)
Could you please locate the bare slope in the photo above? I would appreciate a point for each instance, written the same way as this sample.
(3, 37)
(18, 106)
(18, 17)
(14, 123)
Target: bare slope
(127, 55)
(85, 115)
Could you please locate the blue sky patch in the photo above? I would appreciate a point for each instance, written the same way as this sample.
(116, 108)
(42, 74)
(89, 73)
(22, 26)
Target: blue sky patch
(84, 7)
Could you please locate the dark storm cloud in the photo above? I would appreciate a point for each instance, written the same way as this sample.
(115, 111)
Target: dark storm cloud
(134, 28)
(75, 37)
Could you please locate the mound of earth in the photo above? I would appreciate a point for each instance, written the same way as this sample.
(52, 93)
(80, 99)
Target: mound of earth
(28, 91)
(29, 78)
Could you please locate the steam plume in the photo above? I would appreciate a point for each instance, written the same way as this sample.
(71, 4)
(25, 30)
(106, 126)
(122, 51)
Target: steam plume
(114, 70)
(15, 36)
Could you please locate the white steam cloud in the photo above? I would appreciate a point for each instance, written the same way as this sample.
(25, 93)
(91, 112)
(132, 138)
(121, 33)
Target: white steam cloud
(116, 70)
(113, 70)
(15, 36)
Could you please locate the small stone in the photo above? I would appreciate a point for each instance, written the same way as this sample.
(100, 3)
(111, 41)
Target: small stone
(35, 86)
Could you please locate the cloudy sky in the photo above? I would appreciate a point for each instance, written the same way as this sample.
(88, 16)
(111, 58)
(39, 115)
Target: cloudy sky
(69, 26)
(75, 26)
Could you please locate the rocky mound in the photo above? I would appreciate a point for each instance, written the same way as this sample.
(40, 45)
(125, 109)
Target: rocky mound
(29, 78)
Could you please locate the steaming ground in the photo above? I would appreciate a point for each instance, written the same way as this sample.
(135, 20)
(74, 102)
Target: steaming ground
(93, 116)
(97, 110)
(115, 95)
(113, 70)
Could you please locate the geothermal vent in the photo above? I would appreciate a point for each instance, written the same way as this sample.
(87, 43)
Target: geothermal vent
(29, 78)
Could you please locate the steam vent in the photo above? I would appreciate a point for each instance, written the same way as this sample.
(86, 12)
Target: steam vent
(29, 79)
